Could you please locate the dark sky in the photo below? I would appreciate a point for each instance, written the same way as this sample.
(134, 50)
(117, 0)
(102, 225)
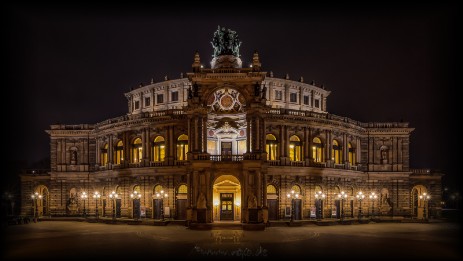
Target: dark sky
(72, 64)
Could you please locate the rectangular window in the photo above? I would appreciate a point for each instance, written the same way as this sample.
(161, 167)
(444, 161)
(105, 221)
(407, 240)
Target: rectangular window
(278, 95)
(317, 103)
(137, 105)
(160, 98)
(147, 101)
(293, 97)
(174, 96)
(306, 100)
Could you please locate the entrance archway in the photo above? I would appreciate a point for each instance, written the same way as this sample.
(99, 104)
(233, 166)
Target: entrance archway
(227, 198)
(42, 207)
(417, 204)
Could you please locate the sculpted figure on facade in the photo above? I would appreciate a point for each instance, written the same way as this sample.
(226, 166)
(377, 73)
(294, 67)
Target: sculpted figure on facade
(201, 203)
(252, 201)
(225, 42)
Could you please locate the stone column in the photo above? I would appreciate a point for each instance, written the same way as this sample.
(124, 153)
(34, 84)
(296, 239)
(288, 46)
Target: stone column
(196, 134)
(204, 133)
(345, 150)
(281, 143)
(328, 146)
(248, 134)
(306, 145)
(97, 151)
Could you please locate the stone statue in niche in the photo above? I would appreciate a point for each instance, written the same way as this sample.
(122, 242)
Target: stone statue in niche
(385, 201)
(72, 204)
(252, 201)
(74, 157)
(201, 203)
(384, 154)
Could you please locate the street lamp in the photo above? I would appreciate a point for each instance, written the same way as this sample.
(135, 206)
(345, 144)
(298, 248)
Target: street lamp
(84, 197)
(360, 196)
(425, 197)
(113, 195)
(96, 196)
(342, 196)
(293, 195)
(136, 196)
(319, 196)
(35, 197)
(373, 196)
(161, 195)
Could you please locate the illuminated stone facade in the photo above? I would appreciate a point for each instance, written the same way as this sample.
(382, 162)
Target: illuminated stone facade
(229, 143)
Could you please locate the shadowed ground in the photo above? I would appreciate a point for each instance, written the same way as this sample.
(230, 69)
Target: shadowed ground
(80, 240)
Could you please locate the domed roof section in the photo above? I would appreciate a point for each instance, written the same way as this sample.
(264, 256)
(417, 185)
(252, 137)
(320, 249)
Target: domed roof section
(226, 44)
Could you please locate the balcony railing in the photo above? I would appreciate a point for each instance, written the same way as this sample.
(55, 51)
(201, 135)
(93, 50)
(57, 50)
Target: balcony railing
(226, 157)
(298, 163)
(311, 114)
(156, 163)
(421, 171)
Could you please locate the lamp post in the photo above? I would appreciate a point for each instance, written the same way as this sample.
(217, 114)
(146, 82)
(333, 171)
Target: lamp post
(293, 195)
(425, 197)
(161, 195)
(342, 196)
(35, 198)
(373, 196)
(96, 196)
(113, 195)
(360, 196)
(84, 197)
(319, 196)
(136, 196)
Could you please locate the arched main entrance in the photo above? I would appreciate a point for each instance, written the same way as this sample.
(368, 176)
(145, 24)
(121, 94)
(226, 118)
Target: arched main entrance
(227, 198)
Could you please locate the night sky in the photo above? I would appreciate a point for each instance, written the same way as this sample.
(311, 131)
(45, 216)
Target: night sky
(72, 64)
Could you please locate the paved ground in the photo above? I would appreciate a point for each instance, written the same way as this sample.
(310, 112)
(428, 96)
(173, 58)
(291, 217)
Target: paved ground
(80, 240)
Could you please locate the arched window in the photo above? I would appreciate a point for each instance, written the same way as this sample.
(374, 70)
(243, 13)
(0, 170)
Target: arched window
(182, 147)
(158, 189)
(271, 189)
(159, 149)
(336, 152)
(182, 189)
(351, 156)
(317, 150)
(119, 152)
(137, 151)
(296, 189)
(271, 146)
(104, 155)
(295, 148)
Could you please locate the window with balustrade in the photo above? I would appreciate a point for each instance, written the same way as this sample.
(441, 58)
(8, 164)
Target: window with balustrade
(351, 156)
(295, 148)
(182, 147)
(317, 150)
(137, 150)
(336, 152)
(119, 152)
(159, 149)
(104, 155)
(271, 147)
